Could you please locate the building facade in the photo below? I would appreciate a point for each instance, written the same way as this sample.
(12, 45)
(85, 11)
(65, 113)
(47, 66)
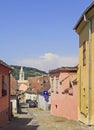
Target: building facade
(22, 83)
(13, 93)
(64, 98)
(5, 109)
(85, 30)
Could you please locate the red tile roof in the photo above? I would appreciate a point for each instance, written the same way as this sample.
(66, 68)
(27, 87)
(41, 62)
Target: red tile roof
(38, 84)
(63, 69)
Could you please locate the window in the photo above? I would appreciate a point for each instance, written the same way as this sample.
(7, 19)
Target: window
(70, 85)
(60, 82)
(22, 77)
(56, 85)
(4, 86)
(70, 88)
(52, 83)
(84, 53)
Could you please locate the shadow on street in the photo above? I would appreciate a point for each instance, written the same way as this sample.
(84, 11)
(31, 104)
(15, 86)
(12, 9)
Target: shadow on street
(18, 123)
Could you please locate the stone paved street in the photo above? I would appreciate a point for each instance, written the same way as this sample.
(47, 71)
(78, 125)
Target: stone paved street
(36, 119)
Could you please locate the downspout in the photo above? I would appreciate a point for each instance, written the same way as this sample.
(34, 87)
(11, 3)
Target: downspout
(9, 99)
(89, 69)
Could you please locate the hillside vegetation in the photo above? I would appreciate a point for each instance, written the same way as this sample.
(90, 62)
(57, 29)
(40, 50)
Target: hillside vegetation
(28, 72)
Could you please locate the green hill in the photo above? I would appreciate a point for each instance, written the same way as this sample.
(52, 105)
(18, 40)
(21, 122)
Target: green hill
(28, 71)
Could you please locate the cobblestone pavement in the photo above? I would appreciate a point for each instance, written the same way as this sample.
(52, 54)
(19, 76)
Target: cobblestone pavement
(36, 119)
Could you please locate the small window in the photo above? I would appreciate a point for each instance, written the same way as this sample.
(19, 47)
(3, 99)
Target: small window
(44, 81)
(70, 85)
(70, 88)
(56, 85)
(52, 83)
(84, 53)
(4, 86)
(60, 82)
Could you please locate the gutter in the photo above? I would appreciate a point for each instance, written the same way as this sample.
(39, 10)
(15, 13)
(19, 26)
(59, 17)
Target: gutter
(83, 14)
(9, 109)
(89, 67)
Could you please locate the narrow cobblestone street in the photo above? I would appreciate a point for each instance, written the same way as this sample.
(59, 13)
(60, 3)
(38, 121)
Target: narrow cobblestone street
(36, 119)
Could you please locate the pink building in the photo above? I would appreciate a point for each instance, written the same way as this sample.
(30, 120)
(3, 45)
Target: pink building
(64, 98)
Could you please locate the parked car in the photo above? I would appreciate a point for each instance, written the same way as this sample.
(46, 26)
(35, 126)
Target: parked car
(32, 104)
(28, 100)
(36, 102)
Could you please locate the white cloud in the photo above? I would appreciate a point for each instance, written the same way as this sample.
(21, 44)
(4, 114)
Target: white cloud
(48, 61)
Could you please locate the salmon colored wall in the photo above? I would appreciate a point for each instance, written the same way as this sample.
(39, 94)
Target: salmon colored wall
(4, 100)
(63, 104)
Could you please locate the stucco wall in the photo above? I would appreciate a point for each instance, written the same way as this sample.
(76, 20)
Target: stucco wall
(30, 96)
(42, 103)
(4, 100)
(63, 104)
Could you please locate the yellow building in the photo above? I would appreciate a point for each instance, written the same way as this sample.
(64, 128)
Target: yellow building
(85, 30)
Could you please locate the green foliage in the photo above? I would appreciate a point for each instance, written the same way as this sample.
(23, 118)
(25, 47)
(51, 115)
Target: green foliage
(28, 71)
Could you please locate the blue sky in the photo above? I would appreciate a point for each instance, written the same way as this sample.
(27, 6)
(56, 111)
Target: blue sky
(39, 33)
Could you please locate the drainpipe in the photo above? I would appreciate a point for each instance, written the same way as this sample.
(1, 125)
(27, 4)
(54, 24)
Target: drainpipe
(89, 68)
(9, 112)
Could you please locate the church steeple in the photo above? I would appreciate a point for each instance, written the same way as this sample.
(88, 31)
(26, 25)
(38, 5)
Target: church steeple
(21, 74)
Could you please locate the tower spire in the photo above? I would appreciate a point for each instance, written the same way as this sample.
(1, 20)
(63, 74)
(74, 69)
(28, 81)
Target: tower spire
(21, 74)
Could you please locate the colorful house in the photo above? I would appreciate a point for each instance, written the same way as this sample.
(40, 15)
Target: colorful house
(5, 109)
(64, 97)
(85, 30)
